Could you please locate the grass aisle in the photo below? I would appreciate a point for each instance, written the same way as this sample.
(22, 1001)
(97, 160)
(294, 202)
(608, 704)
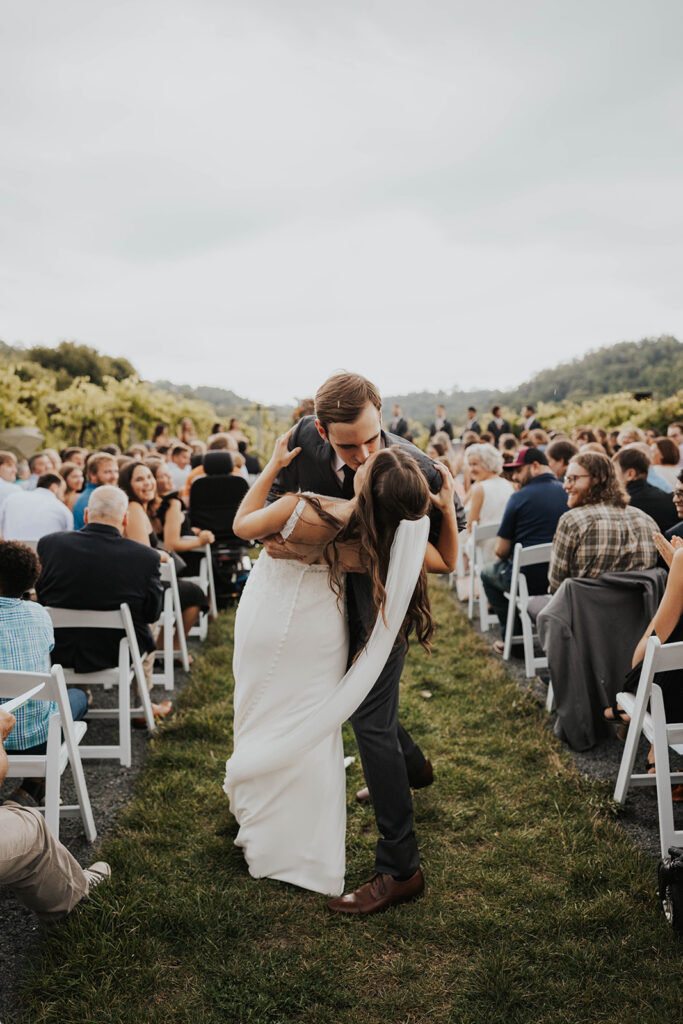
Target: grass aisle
(538, 908)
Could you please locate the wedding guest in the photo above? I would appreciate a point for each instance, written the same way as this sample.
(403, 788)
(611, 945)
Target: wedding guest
(100, 470)
(631, 467)
(441, 423)
(251, 462)
(138, 484)
(160, 435)
(171, 523)
(97, 568)
(529, 418)
(179, 465)
(72, 475)
(600, 532)
(530, 517)
(26, 639)
(75, 454)
(559, 454)
(55, 460)
(472, 421)
(677, 529)
(29, 515)
(38, 464)
(398, 425)
(538, 438)
(498, 425)
(34, 865)
(665, 458)
(8, 475)
(675, 432)
(187, 433)
(489, 492)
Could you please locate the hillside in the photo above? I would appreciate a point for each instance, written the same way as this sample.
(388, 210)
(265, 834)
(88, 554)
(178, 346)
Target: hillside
(653, 364)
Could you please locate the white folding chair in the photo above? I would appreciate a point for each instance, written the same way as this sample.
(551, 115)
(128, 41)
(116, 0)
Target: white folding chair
(479, 535)
(658, 658)
(171, 620)
(63, 738)
(205, 580)
(32, 544)
(518, 602)
(129, 669)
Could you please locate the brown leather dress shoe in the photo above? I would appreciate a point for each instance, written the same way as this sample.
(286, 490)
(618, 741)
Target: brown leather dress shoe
(425, 778)
(380, 892)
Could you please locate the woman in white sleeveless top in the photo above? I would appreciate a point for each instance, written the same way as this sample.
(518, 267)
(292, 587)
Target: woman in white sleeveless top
(285, 779)
(489, 492)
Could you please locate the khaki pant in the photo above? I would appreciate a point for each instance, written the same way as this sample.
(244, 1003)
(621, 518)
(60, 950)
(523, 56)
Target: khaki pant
(41, 872)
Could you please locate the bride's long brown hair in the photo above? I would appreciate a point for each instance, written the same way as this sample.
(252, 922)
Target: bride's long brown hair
(393, 489)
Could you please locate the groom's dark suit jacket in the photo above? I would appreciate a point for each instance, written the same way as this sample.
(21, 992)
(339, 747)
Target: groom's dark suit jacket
(312, 469)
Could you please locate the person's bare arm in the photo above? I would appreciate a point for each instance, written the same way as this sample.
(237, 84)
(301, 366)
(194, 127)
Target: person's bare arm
(7, 723)
(253, 521)
(502, 548)
(442, 556)
(173, 538)
(137, 524)
(476, 501)
(669, 612)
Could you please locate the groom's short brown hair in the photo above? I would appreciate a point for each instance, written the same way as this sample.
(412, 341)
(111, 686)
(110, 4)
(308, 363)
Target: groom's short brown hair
(342, 398)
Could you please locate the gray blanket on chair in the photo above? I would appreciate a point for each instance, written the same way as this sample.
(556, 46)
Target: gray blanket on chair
(589, 630)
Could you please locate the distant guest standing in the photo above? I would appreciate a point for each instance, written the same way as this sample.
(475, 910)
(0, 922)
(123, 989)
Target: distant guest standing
(441, 423)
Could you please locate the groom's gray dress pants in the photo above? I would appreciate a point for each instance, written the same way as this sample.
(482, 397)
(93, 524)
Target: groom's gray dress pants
(390, 758)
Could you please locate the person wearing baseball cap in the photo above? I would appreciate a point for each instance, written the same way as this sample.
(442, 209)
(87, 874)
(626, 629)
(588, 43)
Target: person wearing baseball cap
(530, 517)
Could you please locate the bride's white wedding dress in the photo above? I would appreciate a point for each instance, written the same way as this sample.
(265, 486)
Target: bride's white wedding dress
(286, 780)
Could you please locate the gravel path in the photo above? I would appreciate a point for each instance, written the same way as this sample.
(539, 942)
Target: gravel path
(110, 787)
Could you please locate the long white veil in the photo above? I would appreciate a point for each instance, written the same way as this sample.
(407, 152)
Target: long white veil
(405, 563)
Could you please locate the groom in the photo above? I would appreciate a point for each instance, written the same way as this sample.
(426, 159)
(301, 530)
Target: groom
(345, 431)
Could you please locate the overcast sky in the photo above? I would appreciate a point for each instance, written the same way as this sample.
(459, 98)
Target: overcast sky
(254, 193)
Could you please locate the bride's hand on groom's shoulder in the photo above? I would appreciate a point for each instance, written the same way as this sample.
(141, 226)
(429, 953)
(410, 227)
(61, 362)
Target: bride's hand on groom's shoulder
(282, 456)
(444, 499)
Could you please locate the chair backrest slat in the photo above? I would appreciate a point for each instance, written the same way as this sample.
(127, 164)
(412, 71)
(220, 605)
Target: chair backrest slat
(74, 618)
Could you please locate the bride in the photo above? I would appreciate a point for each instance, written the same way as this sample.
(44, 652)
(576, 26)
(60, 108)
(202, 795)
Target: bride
(285, 779)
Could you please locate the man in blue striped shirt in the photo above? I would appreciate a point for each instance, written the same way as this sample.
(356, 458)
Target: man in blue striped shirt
(26, 639)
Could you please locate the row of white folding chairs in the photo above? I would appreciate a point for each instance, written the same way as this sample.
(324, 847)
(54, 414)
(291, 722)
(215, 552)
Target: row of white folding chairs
(479, 535)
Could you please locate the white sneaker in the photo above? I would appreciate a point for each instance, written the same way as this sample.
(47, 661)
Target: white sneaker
(96, 873)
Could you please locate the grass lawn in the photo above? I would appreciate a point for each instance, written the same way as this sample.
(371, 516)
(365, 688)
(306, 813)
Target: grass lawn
(538, 908)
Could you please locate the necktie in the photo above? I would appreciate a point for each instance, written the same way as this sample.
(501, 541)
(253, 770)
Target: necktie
(347, 486)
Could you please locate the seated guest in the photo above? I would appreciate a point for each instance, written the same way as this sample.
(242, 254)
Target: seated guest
(631, 467)
(559, 454)
(55, 460)
(235, 431)
(216, 443)
(136, 451)
(101, 470)
(675, 432)
(498, 425)
(179, 465)
(171, 523)
(28, 515)
(530, 517)
(600, 533)
(538, 438)
(8, 475)
(441, 424)
(677, 529)
(26, 639)
(75, 454)
(665, 457)
(38, 464)
(653, 476)
(251, 462)
(72, 475)
(489, 492)
(138, 483)
(160, 435)
(98, 569)
(34, 865)
(187, 433)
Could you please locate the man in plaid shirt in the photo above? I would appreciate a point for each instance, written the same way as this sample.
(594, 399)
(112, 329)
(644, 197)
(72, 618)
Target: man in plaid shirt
(600, 532)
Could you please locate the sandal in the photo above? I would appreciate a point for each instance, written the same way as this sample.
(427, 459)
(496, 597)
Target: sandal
(618, 715)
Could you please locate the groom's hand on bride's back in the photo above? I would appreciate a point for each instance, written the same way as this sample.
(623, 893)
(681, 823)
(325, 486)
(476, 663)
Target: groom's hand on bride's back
(277, 547)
